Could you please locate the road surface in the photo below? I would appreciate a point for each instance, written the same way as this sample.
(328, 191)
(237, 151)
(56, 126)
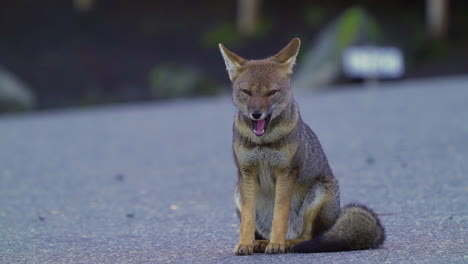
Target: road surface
(153, 182)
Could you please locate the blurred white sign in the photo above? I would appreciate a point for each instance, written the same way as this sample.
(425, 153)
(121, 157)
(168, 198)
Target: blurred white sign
(373, 62)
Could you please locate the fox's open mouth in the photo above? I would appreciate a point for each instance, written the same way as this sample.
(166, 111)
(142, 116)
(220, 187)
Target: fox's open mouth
(259, 126)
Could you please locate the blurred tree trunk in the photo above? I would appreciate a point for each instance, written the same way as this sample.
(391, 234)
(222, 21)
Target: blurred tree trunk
(84, 5)
(247, 16)
(437, 17)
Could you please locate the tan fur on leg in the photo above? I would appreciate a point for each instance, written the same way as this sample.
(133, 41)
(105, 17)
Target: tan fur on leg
(284, 189)
(249, 190)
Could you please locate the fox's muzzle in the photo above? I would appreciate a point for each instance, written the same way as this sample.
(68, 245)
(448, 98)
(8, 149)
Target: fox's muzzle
(256, 115)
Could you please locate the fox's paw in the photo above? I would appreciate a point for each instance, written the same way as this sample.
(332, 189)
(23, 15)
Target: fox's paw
(242, 249)
(275, 248)
(260, 246)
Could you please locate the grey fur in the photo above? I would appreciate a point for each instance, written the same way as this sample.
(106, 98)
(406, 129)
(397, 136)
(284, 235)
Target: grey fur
(356, 227)
(287, 148)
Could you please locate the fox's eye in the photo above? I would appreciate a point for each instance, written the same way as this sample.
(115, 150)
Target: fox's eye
(272, 92)
(247, 92)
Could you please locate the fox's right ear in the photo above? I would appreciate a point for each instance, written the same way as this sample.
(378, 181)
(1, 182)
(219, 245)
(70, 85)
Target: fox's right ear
(233, 62)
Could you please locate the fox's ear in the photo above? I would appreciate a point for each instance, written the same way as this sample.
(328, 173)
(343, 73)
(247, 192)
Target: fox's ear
(287, 56)
(233, 62)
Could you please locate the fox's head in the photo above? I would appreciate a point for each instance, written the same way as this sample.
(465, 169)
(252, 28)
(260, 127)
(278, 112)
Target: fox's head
(262, 88)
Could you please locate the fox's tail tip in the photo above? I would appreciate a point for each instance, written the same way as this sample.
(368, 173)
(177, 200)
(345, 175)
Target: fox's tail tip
(379, 228)
(358, 227)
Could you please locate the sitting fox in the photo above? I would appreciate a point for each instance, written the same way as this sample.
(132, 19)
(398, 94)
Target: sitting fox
(286, 196)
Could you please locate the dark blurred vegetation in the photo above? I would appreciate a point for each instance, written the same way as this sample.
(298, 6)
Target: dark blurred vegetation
(116, 50)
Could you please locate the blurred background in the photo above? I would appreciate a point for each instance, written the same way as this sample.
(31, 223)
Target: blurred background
(78, 53)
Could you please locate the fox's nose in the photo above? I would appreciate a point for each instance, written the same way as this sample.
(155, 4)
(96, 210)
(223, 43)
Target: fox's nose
(256, 114)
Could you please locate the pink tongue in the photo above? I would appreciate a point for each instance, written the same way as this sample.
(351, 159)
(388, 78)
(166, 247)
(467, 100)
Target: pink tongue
(260, 127)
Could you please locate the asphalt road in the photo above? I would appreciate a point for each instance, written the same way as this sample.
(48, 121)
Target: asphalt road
(153, 183)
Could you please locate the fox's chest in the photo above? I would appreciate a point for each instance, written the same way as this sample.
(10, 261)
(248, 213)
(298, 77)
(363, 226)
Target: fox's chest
(264, 160)
(262, 157)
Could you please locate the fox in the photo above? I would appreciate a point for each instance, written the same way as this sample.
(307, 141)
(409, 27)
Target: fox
(286, 196)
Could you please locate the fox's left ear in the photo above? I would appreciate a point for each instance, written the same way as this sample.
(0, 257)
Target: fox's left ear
(233, 62)
(287, 56)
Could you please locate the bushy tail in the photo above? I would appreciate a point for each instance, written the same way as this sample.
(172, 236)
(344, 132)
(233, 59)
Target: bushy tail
(356, 228)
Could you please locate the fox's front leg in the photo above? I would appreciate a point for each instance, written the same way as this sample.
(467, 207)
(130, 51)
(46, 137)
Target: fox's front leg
(284, 188)
(248, 187)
